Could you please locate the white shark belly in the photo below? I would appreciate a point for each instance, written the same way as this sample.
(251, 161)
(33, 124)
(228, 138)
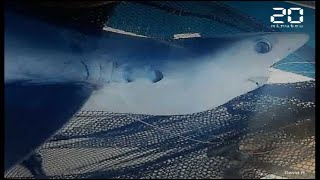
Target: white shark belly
(172, 95)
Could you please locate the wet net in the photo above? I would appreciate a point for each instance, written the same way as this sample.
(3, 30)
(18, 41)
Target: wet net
(266, 133)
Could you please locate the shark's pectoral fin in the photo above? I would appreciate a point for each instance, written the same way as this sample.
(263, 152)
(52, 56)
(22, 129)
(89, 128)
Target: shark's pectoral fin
(35, 112)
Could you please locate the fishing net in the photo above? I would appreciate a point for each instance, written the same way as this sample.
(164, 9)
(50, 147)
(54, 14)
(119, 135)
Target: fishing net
(266, 133)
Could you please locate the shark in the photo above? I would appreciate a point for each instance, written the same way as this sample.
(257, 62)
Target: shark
(145, 75)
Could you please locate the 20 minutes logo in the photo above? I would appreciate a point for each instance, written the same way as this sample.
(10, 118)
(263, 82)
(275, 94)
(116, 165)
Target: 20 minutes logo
(279, 20)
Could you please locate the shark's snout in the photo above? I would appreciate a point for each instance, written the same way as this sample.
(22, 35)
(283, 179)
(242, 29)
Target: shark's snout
(296, 40)
(283, 44)
(293, 41)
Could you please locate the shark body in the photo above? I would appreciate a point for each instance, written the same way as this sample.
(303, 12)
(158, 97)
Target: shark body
(144, 75)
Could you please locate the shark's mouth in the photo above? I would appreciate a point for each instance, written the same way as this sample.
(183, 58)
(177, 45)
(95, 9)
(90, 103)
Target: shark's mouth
(259, 80)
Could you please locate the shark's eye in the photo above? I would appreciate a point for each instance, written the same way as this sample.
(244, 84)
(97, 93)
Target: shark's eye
(263, 46)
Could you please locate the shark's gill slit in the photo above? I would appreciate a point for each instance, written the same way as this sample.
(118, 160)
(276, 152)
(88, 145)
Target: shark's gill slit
(158, 76)
(87, 70)
(100, 71)
(128, 74)
(128, 79)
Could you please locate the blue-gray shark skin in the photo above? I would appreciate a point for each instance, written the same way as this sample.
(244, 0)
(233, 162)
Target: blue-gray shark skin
(144, 75)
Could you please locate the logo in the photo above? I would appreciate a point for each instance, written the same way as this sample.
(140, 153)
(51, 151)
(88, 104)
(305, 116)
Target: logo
(287, 18)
